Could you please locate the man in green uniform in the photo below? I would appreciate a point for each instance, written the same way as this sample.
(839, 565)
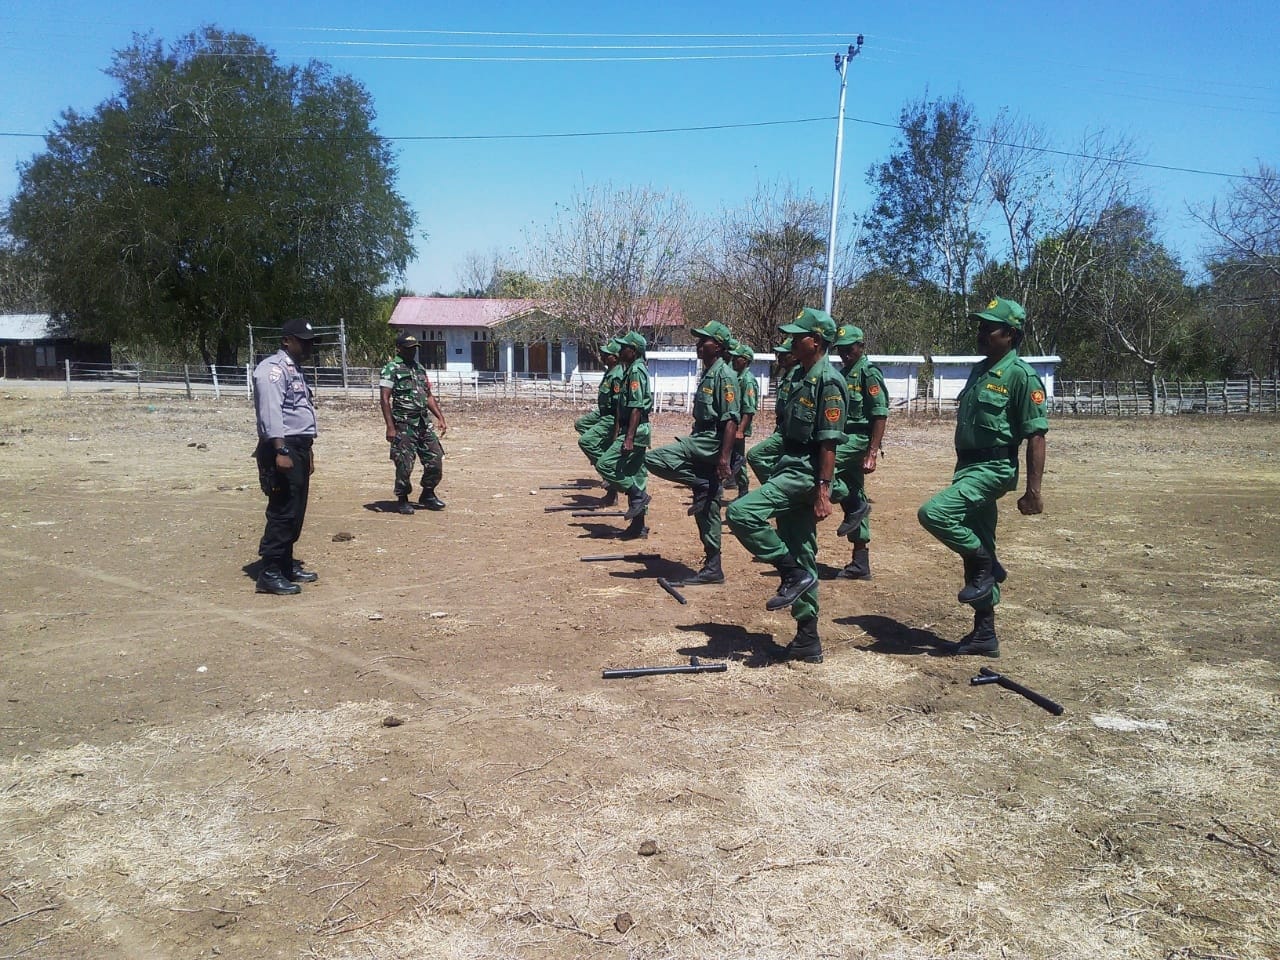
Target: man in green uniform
(701, 460)
(1002, 404)
(749, 402)
(857, 454)
(596, 429)
(798, 491)
(764, 455)
(622, 465)
(407, 399)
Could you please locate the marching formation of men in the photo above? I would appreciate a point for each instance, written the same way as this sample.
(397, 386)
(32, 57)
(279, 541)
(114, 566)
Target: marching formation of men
(829, 429)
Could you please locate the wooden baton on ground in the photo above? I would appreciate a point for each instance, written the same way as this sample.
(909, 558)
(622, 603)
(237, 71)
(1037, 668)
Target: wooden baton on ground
(987, 675)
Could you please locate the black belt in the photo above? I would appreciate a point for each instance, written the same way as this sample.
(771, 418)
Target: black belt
(300, 440)
(861, 429)
(799, 448)
(716, 428)
(967, 458)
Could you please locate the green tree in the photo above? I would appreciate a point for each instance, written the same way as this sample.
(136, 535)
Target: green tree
(215, 188)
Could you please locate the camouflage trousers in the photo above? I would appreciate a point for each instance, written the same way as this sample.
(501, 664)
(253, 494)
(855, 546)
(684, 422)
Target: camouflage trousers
(416, 440)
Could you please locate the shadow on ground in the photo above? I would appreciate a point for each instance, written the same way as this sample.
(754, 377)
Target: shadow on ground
(891, 636)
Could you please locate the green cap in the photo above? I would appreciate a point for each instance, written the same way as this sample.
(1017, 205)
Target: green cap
(612, 347)
(1008, 312)
(847, 334)
(634, 339)
(717, 331)
(744, 351)
(784, 347)
(810, 320)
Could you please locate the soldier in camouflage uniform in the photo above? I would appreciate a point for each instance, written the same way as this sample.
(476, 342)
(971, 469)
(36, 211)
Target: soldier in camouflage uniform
(407, 400)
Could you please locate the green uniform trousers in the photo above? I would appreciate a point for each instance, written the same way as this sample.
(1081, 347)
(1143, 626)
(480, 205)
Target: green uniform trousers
(689, 461)
(849, 456)
(763, 457)
(587, 421)
(788, 496)
(963, 516)
(626, 471)
(596, 439)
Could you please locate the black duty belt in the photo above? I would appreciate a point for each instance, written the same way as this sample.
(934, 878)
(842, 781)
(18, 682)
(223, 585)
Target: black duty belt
(799, 448)
(299, 440)
(967, 458)
(862, 429)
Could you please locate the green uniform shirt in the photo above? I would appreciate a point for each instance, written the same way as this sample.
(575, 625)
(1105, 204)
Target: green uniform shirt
(815, 407)
(610, 387)
(717, 398)
(868, 396)
(786, 383)
(409, 388)
(748, 396)
(634, 393)
(1002, 404)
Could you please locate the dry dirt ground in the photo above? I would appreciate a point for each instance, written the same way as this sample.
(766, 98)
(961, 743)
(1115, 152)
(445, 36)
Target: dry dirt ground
(192, 770)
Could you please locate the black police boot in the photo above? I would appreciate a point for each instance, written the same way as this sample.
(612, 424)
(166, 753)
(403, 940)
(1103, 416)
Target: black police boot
(980, 577)
(853, 518)
(637, 504)
(610, 499)
(636, 530)
(859, 568)
(998, 571)
(806, 647)
(271, 580)
(403, 505)
(981, 640)
(704, 494)
(795, 581)
(428, 499)
(300, 574)
(710, 572)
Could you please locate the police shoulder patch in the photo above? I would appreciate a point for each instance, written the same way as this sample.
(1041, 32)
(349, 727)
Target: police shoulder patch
(832, 414)
(874, 390)
(1037, 397)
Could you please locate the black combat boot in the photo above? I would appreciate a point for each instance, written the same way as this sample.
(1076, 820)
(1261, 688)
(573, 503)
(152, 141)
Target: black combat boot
(806, 647)
(403, 505)
(859, 568)
(636, 530)
(610, 499)
(795, 581)
(979, 578)
(637, 504)
(853, 518)
(428, 499)
(300, 574)
(271, 580)
(981, 640)
(710, 572)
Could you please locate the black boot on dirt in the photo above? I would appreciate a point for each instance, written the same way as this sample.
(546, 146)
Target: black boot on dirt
(981, 640)
(637, 504)
(980, 577)
(428, 499)
(795, 581)
(636, 530)
(998, 571)
(805, 648)
(610, 499)
(300, 574)
(271, 580)
(853, 519)
(859, 568)
(710, 573)
(404, 506)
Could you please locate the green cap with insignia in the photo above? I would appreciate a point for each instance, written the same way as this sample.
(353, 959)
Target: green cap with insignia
(784, 347)
(716, 330)
(847, 334)
(612, 347)
(999, 310)
(744, 351)
(810, 320)
(634, 340)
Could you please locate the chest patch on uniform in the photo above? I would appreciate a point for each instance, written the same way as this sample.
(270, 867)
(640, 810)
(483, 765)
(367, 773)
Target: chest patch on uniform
(996, 388)
(1037, 397)
(707, 390)
(805, 401)
(874, 390)
(276, 374)
(832, 415)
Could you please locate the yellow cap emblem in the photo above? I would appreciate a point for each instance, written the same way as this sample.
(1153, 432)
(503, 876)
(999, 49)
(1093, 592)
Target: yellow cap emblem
(993, 304)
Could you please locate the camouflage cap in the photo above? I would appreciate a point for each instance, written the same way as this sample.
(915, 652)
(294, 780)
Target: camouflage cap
(716, 331)
(810, 320)
(1008, 312)
(847, 334)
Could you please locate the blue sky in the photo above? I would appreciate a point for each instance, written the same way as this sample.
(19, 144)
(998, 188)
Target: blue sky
(1194, 85)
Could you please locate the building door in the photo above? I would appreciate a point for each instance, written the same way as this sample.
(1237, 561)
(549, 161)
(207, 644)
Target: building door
(538, 358)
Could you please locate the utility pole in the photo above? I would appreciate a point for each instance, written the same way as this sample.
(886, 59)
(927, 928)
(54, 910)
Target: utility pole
(842, 65)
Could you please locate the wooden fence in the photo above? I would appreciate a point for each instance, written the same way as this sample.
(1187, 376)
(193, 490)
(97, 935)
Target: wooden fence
(1125, 398)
